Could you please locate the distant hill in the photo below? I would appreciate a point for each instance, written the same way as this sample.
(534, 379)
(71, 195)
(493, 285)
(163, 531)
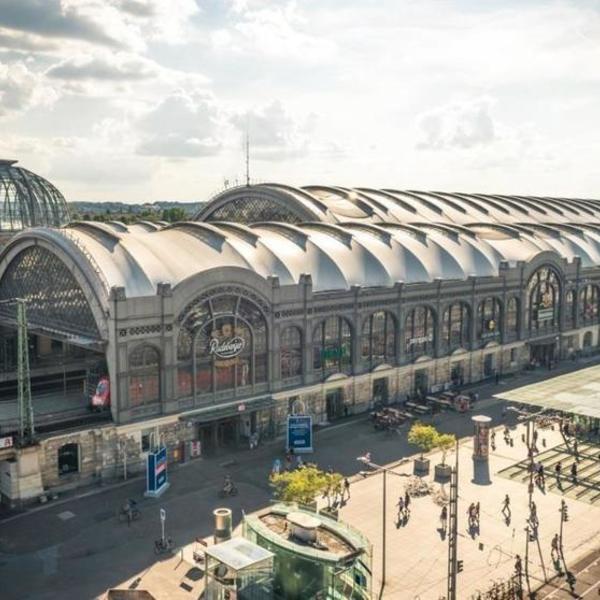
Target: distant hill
(97, 208)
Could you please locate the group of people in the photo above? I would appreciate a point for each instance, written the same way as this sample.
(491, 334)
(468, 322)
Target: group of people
(403, 505)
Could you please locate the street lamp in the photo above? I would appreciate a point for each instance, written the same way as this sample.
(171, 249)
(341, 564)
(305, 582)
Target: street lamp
(366, 460)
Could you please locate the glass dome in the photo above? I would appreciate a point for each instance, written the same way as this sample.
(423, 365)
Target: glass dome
(28, 200)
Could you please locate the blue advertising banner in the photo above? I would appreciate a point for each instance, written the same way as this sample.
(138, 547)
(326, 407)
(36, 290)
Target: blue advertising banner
(299, 433)
(156, 472)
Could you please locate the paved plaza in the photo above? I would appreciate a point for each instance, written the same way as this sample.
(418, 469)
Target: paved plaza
(76, 548)
(417, 551)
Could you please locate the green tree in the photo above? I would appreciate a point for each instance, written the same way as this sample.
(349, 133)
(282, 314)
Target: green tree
(174, 214)
(445, 443)
(423, 436)
(303, 484)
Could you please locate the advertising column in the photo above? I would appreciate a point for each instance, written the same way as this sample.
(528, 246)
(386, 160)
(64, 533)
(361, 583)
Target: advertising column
(156, 473)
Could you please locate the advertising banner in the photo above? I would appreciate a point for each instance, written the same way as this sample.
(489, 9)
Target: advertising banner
(299, 433)
(156, 472)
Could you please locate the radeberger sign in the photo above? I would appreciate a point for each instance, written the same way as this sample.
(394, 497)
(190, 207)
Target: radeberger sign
(226, 348)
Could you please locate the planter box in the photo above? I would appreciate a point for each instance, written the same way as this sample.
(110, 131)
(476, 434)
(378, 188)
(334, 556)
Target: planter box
(421, 467)
(443, 472)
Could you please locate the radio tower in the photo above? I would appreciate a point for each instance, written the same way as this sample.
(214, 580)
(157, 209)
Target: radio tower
(247, 156)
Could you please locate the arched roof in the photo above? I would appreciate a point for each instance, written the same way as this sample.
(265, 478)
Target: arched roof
(28, 200)
(340, 236)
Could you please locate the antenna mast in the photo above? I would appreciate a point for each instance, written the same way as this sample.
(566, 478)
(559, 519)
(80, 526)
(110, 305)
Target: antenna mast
(247, 156)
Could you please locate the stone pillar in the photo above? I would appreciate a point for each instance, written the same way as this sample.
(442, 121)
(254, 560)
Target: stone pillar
(29, 475)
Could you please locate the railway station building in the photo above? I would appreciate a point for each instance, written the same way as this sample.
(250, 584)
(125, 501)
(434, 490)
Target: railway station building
(276, 299)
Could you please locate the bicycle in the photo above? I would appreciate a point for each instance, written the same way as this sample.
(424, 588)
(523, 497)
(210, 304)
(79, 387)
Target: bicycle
(163, 545)
(129, 515)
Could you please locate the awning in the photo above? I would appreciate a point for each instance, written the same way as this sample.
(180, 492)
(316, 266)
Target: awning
(577, 393)
(212, 412)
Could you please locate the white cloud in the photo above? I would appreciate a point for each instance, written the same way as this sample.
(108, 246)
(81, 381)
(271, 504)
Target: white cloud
(181, 125)
(456, 126)
(275, 134)
(114, 67)
(21, 89)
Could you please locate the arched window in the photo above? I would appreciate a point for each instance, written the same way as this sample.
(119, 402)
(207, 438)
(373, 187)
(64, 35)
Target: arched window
(419, 332)
(456, 327)
(378, 343)
(543, 297)
(570, 308)
(222, 345)
(68, 459)
(290, 352)
(489, 320)
(512, 319)
(144, 376)
(332, 346)
(588, 304)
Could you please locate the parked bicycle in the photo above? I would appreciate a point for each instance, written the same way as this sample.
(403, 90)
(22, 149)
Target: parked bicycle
(163, 545)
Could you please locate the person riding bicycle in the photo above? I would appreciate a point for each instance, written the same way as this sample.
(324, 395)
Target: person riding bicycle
(227, 484)
(128, 508)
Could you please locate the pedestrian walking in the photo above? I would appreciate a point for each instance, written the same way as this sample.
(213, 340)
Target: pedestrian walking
(533, 518)
(558, 470)
(444, 518)
(477, 512)
(555, 547)
(406, 501)
(575, 448)
(540, 477)
(518, 566)
(506, 506)
(347, 487)
(574, 472)
(400, 506)
(472, 514)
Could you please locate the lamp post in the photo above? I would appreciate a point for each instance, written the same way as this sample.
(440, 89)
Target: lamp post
(366, 460)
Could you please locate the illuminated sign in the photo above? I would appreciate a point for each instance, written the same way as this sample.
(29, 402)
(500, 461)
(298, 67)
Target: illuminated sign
(299, 433)
(228, 348)
(6, 442)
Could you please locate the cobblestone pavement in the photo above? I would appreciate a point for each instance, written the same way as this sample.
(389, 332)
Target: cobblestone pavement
(75, 547)
(417, 549)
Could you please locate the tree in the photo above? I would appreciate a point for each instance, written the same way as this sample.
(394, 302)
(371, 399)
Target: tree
(303, 484)
(445, 443)
(423, 436)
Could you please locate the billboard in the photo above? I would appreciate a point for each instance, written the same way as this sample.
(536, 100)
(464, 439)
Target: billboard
(156, 472)
(299, 433)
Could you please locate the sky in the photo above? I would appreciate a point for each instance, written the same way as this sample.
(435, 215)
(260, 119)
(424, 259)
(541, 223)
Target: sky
(149, 100)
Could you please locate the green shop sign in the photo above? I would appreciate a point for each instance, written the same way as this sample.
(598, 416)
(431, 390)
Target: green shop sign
(334, 353)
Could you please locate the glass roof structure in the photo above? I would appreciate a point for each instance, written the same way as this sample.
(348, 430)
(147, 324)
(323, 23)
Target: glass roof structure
(575, 393)
(28, 200)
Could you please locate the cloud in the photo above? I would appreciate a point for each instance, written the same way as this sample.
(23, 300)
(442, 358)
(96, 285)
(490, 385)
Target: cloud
(181, 125)
(137, 8)
(456, 126)
(21, 89)
(53, 18)
(109, 68)
(24, 42)
(274, 134)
